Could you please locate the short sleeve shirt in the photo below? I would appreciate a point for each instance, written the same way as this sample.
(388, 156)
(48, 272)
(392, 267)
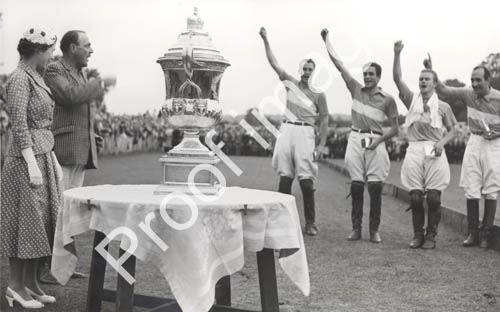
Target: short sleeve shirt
(421, 129)
(304, 104)
(369, 111)
(480, 108)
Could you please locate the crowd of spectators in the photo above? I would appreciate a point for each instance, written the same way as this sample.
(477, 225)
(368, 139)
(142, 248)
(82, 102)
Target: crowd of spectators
(149, 132)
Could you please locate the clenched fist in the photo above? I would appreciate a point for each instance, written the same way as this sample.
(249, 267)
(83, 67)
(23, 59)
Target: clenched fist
(428, 62)
(398, 46)
(324, 34)
(263, 33)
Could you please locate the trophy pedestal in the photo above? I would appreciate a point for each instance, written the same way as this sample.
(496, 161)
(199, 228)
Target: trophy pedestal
(189, 168)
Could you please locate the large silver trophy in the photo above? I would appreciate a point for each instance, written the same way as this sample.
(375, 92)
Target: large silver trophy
(193, 69)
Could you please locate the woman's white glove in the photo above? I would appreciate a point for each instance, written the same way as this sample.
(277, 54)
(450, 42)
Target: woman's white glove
(59, 172)
(33, 169)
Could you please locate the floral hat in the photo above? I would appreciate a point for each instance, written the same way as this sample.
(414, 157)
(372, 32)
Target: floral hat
(40, 35)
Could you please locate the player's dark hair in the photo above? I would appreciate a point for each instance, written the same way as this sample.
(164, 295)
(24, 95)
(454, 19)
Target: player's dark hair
(486, 71)
(378, 68)
(311, 61)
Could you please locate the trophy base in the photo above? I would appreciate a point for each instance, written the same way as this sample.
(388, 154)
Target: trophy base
(189, 168)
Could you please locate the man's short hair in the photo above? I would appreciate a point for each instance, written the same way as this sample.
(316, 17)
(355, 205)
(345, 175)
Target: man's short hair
(487, 74)
(303, 62)
(378, 68)
(434, 75)
(69, 38)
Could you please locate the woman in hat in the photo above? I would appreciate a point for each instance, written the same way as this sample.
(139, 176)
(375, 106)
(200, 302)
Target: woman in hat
(30, 175)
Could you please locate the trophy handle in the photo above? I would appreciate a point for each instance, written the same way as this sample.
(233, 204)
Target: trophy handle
(187, 61)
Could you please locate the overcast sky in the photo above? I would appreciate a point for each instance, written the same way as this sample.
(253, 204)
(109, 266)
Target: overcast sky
(129, 36)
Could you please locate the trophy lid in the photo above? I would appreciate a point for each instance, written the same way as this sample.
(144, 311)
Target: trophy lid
(199, 41)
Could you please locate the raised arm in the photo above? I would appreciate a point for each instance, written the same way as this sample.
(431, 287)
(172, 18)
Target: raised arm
(346, 75)
(443, 90)
(66, 93)
(404, 92)
(282, 74)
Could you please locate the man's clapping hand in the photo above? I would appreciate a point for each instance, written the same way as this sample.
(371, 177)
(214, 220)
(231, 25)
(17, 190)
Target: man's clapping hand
(92, 74)
(99, 141)
(109, 81)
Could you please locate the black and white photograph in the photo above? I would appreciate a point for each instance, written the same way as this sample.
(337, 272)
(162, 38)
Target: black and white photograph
(249, 155)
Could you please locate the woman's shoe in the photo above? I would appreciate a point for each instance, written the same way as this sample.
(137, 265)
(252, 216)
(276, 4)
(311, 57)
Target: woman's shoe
(42, 298)
(27, 304)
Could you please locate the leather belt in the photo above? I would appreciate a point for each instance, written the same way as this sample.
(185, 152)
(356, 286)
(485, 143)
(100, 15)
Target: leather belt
(298, 123)
(366, 131)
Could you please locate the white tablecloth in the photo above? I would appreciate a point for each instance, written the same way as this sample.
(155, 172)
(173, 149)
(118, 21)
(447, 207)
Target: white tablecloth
(196, 257)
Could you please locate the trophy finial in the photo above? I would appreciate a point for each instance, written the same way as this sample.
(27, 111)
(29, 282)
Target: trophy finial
(195, 22)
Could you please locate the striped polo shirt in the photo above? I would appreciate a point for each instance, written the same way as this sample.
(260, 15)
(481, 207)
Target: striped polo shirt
(369, 111)
(421, 129)
(479, 108)
(304, 104)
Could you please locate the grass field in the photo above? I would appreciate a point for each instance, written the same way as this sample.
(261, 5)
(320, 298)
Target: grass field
(345, 276)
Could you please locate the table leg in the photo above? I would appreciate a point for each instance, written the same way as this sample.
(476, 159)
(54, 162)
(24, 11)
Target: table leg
(96, 279)
(223, 291)
(125, 291)
(267, 281)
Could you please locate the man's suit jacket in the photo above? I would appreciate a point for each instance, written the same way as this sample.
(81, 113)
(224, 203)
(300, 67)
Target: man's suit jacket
(73, 126)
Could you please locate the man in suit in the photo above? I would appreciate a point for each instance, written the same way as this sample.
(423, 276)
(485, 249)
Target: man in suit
(75, 94)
